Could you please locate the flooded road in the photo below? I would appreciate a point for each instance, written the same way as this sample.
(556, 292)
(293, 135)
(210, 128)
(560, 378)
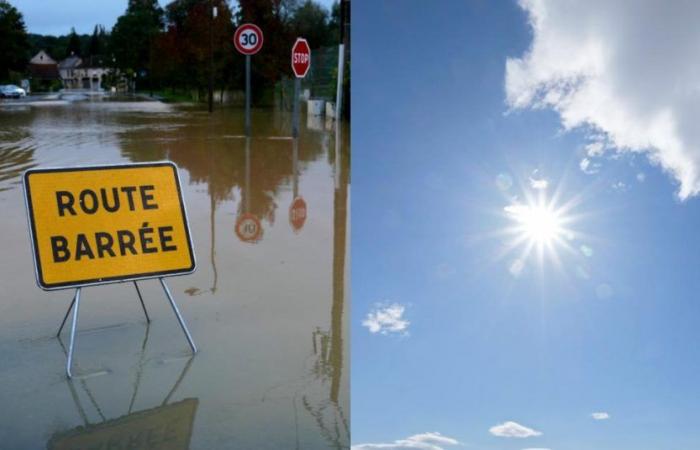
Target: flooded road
(267, 305)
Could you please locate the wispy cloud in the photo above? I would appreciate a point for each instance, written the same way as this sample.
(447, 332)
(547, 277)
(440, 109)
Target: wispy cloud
(423, 441)
(583, 64)
(600, 416)
(588, 167)
(513, 430)
(538, 182)
(387, 319)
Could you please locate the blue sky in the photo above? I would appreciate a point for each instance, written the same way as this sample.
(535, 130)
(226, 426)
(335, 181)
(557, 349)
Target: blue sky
(452, 333)
(57, 17)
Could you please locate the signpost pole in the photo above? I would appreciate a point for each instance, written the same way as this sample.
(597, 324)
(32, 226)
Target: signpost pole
(247, 95)
(339, 88)
(295, 164)
(177, 314)
(295, 114)
(73, 326)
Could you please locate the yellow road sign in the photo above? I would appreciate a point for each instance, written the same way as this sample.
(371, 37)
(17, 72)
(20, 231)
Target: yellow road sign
(93, 225)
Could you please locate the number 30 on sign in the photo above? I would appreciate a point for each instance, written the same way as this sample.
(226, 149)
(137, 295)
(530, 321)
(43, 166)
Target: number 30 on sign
(248, 39)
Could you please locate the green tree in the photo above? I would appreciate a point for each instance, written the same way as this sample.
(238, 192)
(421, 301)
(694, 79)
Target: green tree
(134, 33)
(98, 42)
(73, 44)
(311, 22)
(183, 51)
(13, 40)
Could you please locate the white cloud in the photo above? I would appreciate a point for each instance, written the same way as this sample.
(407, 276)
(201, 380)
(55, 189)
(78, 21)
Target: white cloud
(600, 416)
(626, 71)
(588, 167)
(424, 441)
(387, 319)
(538, 183)
(641, 177)
(513, 430)
(516, 267)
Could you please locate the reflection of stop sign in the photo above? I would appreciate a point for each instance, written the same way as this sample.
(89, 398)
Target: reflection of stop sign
(248, 228)
(301, 57)
(248, 39)
(297, 213)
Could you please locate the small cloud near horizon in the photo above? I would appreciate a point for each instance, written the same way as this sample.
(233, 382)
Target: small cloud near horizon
(512, 429)
(423, 441)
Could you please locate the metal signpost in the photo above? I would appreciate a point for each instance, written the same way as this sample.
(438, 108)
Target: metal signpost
(298, 209)
(301, 62)
(248, 226)
(248, 40)
(107, 224)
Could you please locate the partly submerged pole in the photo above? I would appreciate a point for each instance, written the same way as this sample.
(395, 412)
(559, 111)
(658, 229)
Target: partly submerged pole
(247, 95)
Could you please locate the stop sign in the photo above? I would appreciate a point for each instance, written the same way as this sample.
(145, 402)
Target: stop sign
(297, 214)
(301, 58)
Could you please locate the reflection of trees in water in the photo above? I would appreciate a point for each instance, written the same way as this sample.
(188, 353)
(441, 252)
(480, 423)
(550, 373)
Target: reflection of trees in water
(15, 158)
(219, 161)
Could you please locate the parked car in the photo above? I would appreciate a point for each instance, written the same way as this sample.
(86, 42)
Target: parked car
(11, 91)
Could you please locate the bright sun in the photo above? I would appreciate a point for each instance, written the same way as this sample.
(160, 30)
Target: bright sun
(540, 224)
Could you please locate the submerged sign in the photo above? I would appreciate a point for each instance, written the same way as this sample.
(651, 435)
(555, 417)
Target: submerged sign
(92, 225)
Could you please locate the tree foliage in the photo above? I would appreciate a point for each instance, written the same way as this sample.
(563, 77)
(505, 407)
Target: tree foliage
(13, 40)
(133, 35)
(74, 45)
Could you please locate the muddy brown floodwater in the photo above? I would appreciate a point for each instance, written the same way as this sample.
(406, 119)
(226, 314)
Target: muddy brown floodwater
(267, 310)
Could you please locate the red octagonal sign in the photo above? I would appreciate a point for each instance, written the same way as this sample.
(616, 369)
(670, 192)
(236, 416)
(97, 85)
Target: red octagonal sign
(301, 57)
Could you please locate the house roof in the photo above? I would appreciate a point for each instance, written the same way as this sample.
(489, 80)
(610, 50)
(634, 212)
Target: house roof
(42, 58)
(71, 62)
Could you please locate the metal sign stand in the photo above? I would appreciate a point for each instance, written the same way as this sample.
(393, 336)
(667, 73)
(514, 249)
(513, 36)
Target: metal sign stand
(295, 113)
(247, 95)
(74, 323)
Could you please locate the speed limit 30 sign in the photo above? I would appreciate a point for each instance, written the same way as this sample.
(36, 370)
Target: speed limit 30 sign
(248, 39)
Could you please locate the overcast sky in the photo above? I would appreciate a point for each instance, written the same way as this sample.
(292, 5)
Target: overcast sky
(58, 17)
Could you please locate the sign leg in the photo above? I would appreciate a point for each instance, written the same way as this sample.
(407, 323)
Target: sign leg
(143, 305)
(247, 95)
(66, 316)
(295, 114)
(177, 314)
(73, 326)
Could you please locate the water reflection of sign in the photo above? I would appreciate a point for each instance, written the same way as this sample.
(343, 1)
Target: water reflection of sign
(297, 214)
(164, 428)
(93, 225)
(249, 228)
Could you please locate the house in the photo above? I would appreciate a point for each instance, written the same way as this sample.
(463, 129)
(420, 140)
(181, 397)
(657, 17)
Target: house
(43, 69)
(79, 73)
